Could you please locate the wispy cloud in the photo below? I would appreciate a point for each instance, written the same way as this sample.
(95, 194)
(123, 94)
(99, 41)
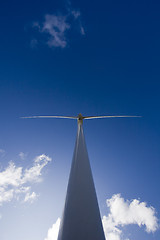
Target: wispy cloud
(30, 197)
(15, 181)
(22, 155)
(54, 28)
(121, 213)
(2, 152)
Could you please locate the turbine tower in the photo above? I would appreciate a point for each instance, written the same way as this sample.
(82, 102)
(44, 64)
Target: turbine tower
(81, 218)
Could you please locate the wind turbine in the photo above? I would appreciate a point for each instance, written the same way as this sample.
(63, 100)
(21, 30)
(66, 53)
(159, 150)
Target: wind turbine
(80, 118)
(81, 216)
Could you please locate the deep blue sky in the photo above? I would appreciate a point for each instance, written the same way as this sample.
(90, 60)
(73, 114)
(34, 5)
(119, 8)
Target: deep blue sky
(112, 69)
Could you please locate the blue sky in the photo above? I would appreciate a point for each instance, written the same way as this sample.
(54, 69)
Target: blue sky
(63, 58)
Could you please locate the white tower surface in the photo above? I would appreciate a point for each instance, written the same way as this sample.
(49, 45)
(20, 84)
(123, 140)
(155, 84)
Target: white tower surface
(81, 217)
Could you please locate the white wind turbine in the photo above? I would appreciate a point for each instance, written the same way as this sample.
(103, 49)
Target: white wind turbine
(80, 118)
(81, 218)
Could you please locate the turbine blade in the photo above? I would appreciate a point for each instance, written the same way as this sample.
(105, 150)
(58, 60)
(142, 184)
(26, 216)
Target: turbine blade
(93, 117)
(51, 117)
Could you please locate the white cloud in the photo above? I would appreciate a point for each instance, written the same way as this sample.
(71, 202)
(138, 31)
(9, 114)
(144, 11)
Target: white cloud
(13, 180)
(5, 195)
(22, 155)
(53, 231)
(33, 174)
(2, 152)
(121, 213)
(76, 14)
(55, 26)
(82, 30)
(30, 197)
(11, 176)
(127, 212)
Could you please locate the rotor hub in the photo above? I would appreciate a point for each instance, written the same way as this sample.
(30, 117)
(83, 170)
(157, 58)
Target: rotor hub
(80, 118)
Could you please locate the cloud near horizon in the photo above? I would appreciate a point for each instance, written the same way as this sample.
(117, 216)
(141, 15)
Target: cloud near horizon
(125, 213)
(121, 213)
(55, 27)
(16, 181)
(53, 231)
